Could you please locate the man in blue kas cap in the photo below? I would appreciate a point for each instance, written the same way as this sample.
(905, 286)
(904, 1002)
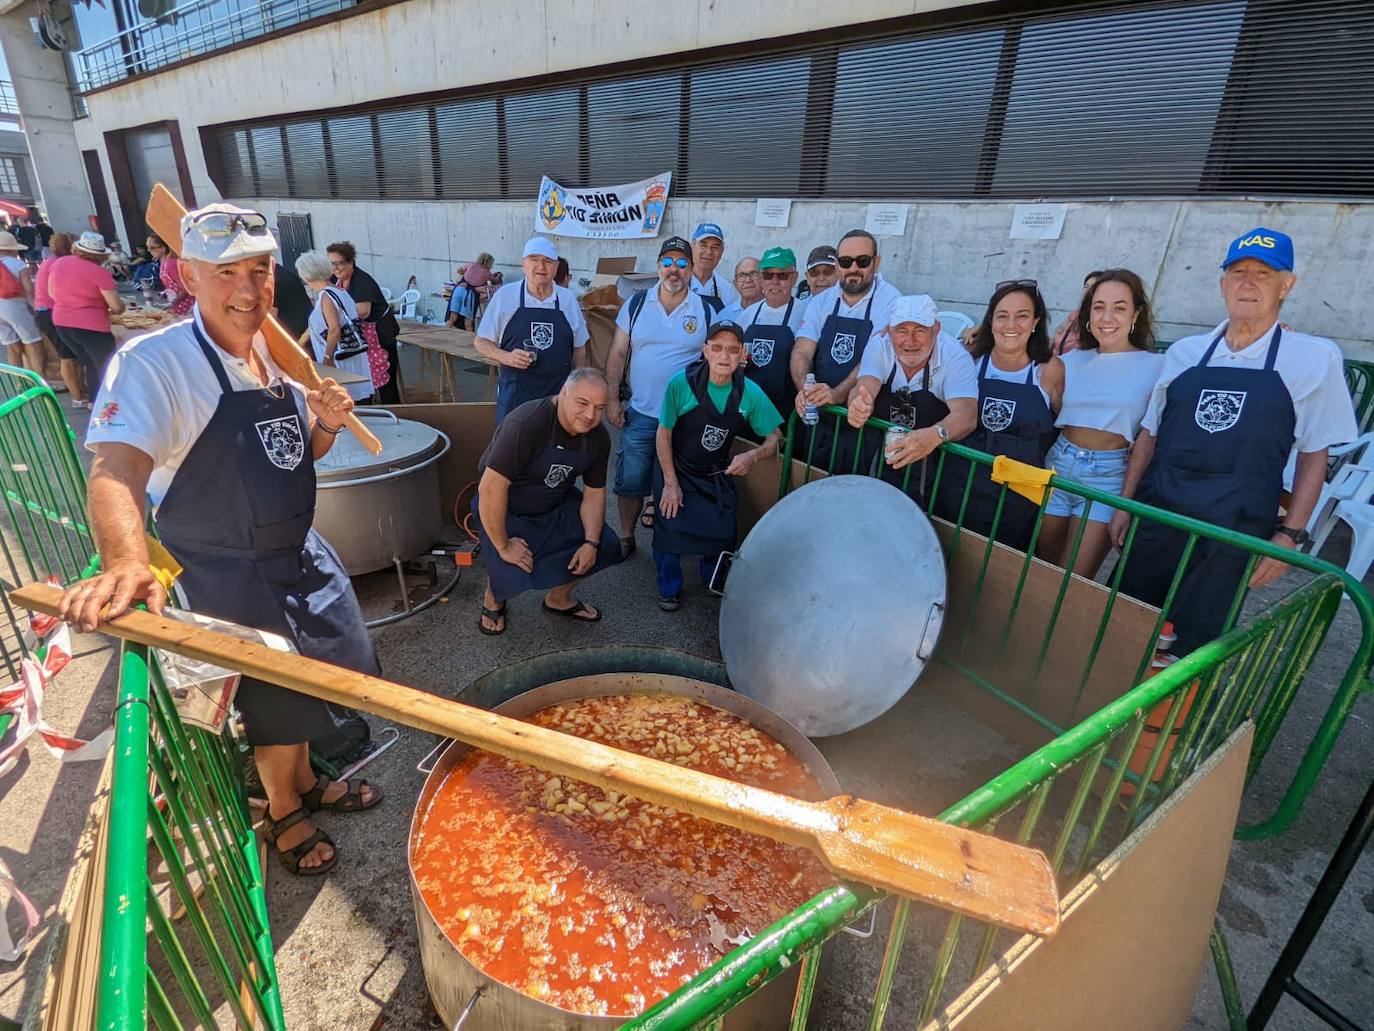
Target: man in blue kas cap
(708, 244)
(1229, 407)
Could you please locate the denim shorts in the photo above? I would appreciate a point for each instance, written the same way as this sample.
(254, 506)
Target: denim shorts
(634, 458)
(1105, 470)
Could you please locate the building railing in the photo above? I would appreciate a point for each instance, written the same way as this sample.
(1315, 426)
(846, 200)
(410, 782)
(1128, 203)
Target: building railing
(190, 30)
(8, 105)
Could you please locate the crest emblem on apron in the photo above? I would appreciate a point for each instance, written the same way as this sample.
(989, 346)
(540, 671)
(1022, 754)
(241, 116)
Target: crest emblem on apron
(541, 335)
(761, 350)
(283, 441)
(557, 475)
(842, 347)
(712, 437)
(1218, 410)
(997, 414)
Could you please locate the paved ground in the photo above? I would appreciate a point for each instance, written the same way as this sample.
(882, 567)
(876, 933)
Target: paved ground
(346, 945)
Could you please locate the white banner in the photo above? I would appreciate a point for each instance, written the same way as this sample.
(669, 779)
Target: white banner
(633, 211)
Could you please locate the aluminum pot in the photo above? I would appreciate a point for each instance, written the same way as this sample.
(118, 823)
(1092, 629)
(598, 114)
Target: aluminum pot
(466, 997)
(377, 510)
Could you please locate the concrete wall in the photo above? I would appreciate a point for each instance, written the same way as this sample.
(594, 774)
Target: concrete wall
(955, 251)
(40, 87)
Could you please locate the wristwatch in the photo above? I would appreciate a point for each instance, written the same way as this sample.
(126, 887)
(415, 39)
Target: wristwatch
(940, 431)
(1298, 537)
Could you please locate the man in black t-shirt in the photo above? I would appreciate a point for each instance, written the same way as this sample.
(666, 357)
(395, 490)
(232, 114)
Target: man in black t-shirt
(292, 303)
(537, 529)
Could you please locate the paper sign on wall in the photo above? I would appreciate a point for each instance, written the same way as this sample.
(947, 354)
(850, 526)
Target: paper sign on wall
(773, 212)
(886, 219)
(633, 211)
(1037, 221)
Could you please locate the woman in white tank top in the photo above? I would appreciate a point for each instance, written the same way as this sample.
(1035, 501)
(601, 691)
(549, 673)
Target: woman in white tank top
(1107, 386)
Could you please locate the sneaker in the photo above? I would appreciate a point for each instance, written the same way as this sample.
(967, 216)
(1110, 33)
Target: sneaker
(57, 388)
(669, 604)
(81, 406)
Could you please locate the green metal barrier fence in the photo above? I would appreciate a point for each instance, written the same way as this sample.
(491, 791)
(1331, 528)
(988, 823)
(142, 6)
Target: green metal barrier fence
(1251, 672)
(175, 786)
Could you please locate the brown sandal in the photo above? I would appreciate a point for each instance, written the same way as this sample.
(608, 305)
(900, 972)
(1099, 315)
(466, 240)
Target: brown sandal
(351, 801)
(291, 858)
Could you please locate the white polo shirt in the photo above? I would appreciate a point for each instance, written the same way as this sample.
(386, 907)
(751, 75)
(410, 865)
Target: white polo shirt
(661, 345)
(717, 285)
(159, 393)
(506, 302)
(952, 373)
(765, 316)
(1310, 367)
(819, 307)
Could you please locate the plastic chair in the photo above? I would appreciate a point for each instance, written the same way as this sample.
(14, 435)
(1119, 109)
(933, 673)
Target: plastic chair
(1346, 463)
(386, 292)
(954, 322)
(410, 303)
(1347, 499)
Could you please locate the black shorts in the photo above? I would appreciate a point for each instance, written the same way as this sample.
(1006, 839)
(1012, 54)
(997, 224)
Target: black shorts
(43, 317)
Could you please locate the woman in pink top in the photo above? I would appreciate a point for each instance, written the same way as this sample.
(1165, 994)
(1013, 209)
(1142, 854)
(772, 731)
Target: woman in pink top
(169, 272)
(72, 373)
(84, 297)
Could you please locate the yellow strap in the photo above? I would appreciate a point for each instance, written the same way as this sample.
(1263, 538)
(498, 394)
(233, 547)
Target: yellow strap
(1029, 481)
(160, 561)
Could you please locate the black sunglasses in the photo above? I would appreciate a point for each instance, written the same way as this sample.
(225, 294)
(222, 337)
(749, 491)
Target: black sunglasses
(862, 260)
(1029, 283)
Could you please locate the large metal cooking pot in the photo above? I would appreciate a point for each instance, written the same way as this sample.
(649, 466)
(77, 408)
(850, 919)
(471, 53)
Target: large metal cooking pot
(834, 604)
(377, 510)
(455, 982)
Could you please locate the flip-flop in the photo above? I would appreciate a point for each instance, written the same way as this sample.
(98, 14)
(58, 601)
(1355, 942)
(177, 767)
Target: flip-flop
(493, 614)
(575, 612)
(646, 517)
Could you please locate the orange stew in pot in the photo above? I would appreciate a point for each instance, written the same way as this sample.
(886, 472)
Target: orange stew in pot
(599, 903)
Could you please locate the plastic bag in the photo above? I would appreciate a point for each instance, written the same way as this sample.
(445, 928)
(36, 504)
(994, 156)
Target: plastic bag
(202, 691)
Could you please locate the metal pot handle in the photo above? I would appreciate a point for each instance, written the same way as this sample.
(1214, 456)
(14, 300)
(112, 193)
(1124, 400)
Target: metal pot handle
(930, 636)
(715, 573)
(375, 413)
(432, 757)
(467, 1010)
(872, 924)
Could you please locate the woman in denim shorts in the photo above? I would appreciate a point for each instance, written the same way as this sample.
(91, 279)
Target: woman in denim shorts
(1107, 386)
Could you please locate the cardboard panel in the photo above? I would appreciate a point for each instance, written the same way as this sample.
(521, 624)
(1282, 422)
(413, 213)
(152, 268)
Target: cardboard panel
(1132, 950)
(469, 426)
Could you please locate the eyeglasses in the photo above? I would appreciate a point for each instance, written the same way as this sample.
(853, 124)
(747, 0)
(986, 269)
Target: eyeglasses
(746, 275)
(338, 264)
(215, 225)
(772, 274)
(862, 260)
(673, 262)
(1028, 283)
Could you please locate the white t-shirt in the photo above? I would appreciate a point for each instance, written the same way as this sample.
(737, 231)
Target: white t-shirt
(717, 285)
(1310, 367)
(951, 369)
(1017, 376)
(1108, 392)
(661, 345)
(761, 313)
(506, 302)
(819, 307)
(159, 393)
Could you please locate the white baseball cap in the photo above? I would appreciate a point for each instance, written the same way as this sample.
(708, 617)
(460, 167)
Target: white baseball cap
(917, 308)
(542, 246)
(221, 233)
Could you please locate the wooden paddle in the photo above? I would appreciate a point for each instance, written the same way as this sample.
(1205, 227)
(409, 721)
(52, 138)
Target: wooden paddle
(164, 216)
(947, 866)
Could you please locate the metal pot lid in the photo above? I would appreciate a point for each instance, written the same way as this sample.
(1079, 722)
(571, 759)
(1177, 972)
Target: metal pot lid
(834, 604)
(405, 445)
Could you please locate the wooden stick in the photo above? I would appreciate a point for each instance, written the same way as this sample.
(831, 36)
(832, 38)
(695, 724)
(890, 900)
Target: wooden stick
(947, 866)
(164, 216)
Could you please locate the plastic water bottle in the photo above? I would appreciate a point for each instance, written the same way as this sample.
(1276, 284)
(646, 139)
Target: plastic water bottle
(811, 414)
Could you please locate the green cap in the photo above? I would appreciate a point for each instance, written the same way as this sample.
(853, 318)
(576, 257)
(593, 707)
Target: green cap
(778, 257)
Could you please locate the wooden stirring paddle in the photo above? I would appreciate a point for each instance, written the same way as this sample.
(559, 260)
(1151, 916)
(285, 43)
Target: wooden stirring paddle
(947, 866)
(164, 216)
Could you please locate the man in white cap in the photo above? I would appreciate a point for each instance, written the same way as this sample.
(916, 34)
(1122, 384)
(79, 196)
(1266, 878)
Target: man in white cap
(197, 417)
(915, 376)
(18, 331)
(534, 329)
(708, 244)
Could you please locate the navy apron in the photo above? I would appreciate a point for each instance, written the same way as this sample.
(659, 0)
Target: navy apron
(770, 357)
(545, 333)
(916, 410)
(715, 304)
(237, 517)
(1224, 438)
(544, 509)
(1013, 420)
(841, 345)
(707, 523)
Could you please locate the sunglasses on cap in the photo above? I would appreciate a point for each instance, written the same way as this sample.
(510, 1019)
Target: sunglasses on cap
(216, 225)
(1030, 284)
(862, 260)
(673, 262)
